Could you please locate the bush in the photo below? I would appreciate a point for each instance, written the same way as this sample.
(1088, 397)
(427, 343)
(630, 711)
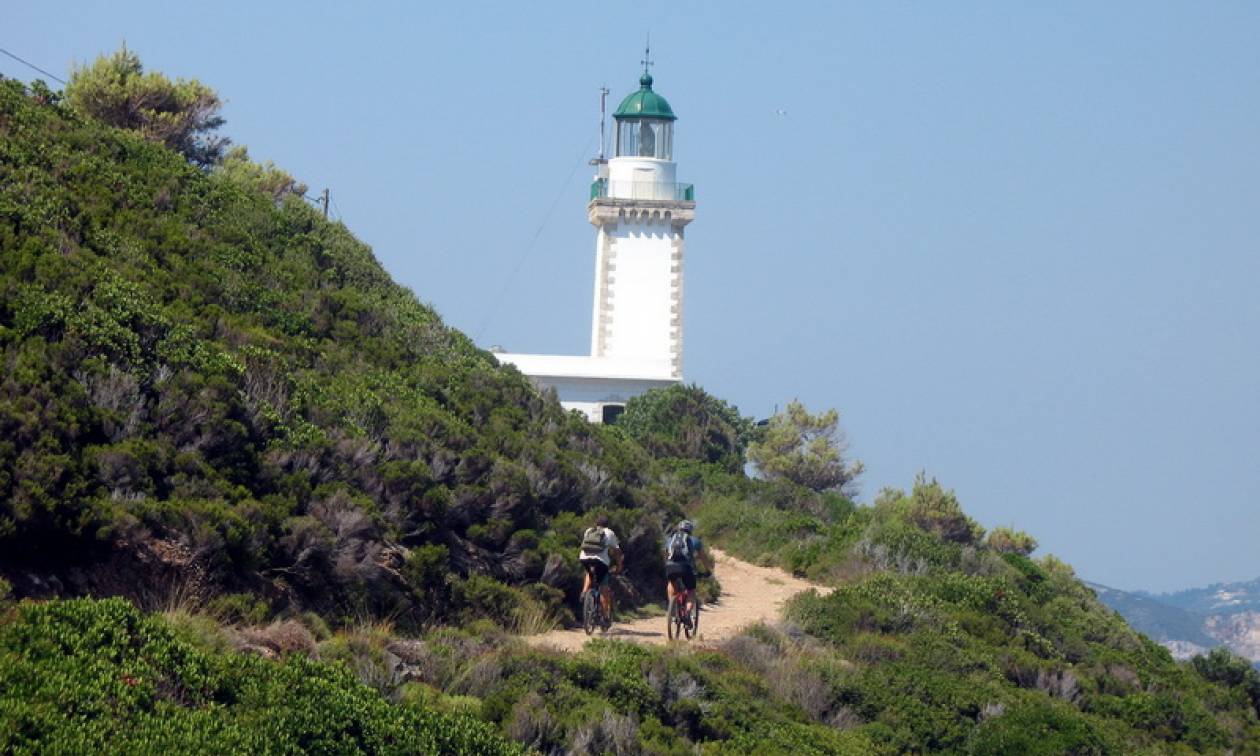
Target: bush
(91, 676)
(182, 115)
(1039, 728)
(1220, 665)
(805, 449)
(937, 511)
(686, 422)
(239, 609)
(1008, 541)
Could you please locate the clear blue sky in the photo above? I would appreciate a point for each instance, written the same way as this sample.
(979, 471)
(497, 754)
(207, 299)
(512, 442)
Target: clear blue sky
(1017, 245)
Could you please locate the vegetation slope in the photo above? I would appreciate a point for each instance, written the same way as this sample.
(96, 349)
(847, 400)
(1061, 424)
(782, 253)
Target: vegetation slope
(211, 392)
(218, 406)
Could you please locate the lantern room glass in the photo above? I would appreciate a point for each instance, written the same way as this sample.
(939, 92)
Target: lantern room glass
(645, 137)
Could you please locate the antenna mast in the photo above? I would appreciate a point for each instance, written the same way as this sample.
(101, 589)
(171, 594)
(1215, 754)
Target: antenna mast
(603, 107)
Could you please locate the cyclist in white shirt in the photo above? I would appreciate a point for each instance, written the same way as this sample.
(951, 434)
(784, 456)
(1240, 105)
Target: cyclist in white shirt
(600, 553)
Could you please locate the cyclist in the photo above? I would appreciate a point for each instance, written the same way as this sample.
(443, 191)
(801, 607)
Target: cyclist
(600, 551)
(682, 552)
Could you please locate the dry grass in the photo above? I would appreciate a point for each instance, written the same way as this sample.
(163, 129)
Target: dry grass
(613, 734)
(280, 638)
(534, 618)
(173, 595)
(792, 670)
(532, 724)
(202, 630)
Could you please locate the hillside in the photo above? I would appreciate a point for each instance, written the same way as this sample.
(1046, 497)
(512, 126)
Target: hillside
(327, 519)
(210, 392)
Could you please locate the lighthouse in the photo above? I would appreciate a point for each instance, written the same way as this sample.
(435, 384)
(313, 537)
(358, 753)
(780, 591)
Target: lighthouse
(639, 211)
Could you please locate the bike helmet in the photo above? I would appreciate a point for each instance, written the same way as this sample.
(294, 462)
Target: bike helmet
(686, 526)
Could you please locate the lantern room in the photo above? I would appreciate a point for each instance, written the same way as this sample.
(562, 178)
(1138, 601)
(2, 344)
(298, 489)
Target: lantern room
(645, 124)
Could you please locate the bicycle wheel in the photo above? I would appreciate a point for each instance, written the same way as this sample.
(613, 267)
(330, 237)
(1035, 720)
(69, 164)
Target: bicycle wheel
(590, 610)
(673, 618)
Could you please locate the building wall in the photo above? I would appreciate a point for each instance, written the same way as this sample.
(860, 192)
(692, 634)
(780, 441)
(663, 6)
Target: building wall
(590, 396)
(587, 392)
(639, 289)
(641, 178)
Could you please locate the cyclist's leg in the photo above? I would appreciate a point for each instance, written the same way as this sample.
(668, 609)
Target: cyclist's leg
(672, 584)
(605, 595)
(689, 581)
(586, 576)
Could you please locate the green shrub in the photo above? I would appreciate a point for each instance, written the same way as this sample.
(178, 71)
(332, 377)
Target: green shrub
(1009, 541)
(686, 422)
(1038, 728)
(480, 596)
(937, 511)
(239, 609)
(90, 676)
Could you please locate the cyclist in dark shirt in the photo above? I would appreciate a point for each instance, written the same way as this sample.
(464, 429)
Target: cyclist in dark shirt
(683, 551)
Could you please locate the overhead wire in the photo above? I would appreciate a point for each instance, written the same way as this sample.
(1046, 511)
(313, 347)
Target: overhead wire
(529, 248)
(28, 64)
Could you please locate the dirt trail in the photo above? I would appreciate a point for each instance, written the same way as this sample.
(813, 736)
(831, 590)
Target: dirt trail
(750, 594)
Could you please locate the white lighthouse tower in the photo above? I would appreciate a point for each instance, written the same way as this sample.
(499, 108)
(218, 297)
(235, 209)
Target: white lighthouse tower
(639, 211)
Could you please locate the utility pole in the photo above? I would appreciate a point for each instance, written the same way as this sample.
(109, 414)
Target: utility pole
(324, 201)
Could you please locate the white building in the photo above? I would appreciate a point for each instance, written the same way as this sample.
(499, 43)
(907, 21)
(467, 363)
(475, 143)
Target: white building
(639, 212)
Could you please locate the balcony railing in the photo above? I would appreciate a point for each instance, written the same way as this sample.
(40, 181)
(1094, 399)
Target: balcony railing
(645, 190)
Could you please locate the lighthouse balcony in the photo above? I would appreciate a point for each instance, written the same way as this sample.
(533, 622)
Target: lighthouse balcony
(642, 190)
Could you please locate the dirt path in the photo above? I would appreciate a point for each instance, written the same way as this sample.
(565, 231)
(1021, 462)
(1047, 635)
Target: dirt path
(750, 594)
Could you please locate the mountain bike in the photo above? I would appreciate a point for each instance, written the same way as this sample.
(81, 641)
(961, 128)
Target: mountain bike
(679, 621)
(592, 607)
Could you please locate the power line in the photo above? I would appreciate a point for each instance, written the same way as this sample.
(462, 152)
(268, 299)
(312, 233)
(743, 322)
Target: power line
(57, 79)
(520, 261)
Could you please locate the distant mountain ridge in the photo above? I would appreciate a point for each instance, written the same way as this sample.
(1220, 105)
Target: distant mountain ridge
(1192, 621)
(1218, 598)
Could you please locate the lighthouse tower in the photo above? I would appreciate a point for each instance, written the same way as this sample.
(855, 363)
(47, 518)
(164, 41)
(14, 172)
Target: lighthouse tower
(639, 211)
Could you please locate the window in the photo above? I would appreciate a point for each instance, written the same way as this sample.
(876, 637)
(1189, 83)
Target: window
(627, 138)
(647, 140)
(645, 137)
(611, 412)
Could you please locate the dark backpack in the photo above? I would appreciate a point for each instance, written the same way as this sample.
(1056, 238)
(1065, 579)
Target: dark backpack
(679, 547)
(594, 541)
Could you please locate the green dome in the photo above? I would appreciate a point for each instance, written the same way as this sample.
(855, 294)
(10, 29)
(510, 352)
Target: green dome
(645, 103)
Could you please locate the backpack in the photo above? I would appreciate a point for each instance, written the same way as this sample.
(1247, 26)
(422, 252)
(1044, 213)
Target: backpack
(679, 547)
(594, 541)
